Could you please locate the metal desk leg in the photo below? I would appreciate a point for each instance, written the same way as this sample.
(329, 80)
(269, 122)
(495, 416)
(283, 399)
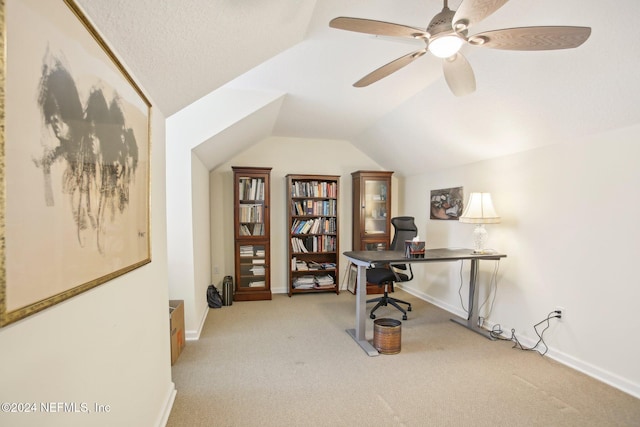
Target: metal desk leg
(472, 319)
(358, 334)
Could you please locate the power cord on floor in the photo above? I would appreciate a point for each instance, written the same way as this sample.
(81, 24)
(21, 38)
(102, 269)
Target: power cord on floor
(496, 333)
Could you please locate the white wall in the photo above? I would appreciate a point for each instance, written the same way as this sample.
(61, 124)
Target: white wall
(209, 126)
(189, 249)
(201, 242)
(285, 156)
(569, 227)
(109, 345)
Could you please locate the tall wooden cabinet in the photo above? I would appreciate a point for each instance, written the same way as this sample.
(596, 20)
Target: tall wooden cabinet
(371, 210)
(252, 234)
(312, 203)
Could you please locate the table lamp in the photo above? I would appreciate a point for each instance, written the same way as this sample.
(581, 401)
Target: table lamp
(479, 211)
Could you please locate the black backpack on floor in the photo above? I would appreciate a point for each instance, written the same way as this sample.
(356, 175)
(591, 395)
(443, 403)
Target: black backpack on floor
(213, 297)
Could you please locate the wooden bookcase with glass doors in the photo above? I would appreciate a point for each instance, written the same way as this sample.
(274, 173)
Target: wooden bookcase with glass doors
(312, 203)
(371, 214)
(371, 210)
(251, 233)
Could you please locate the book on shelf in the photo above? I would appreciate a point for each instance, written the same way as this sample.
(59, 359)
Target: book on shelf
(314, 265)
(298, 245)
(258, 229)
(250, 188)
(304, 282)
(257, 270)
(313, 189)
(321, 243)
(246, 250)
(314, 226)
(257, 284)
(251, 213)
(323, 282)
(324, 279)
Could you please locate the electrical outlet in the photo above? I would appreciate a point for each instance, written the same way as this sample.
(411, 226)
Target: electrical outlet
(561, 312)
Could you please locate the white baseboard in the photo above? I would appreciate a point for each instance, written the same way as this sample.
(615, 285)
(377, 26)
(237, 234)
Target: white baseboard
(588, 369)
(195, 335)
(168, 404)
(443, 305)
(599, 374)
(593, 371)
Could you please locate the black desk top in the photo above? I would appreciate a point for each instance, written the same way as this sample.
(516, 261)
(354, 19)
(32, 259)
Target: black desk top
(430, 255)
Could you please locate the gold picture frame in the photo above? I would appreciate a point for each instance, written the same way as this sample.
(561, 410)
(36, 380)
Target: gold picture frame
(74, 159)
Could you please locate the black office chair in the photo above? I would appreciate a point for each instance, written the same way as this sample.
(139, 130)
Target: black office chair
(405, 229)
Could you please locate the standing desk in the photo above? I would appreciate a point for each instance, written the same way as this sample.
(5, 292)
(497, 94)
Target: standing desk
(366, 259)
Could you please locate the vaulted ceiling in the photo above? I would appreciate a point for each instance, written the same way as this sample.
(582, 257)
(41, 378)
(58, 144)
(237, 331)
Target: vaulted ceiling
(409, 122)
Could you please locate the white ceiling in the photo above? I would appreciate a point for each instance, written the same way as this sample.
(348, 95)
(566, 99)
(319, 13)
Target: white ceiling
(409, 122)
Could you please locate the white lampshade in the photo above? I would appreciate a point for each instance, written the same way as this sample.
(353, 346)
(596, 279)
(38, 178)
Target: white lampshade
(479, 210)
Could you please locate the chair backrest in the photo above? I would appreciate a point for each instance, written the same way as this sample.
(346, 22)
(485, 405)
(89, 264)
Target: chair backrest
(405, 229)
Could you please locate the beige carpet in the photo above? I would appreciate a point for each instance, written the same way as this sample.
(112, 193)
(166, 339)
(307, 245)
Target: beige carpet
(289, 362)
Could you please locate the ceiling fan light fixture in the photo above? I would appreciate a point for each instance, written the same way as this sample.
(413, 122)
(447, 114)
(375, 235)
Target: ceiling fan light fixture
(445, 46)
(448, 31)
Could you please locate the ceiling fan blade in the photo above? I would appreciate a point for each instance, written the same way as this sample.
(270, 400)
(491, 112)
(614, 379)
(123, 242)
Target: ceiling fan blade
(471, 12)
(459, 75)
(389, 68)
(532, 38)
(379, 28)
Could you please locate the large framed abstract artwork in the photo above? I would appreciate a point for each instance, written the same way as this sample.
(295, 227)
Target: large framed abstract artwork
(74, 161)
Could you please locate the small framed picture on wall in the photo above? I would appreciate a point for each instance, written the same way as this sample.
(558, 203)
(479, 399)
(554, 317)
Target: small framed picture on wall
(446, 203)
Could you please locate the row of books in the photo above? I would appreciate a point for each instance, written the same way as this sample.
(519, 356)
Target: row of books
(314, 226)
(251, 229)
(250, 188)
(250, 250)
(301, 265)
(314, 207)
(314, 189)
(251, 213)
(324, 281)
(322, 243)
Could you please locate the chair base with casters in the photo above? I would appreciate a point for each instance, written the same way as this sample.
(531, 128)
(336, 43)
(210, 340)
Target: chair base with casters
(385, 277)
(405, 230)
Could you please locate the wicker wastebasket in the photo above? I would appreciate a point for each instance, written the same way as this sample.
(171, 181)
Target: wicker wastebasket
(387, 335)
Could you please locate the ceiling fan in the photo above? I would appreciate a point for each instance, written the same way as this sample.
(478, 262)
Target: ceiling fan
(447, 32)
